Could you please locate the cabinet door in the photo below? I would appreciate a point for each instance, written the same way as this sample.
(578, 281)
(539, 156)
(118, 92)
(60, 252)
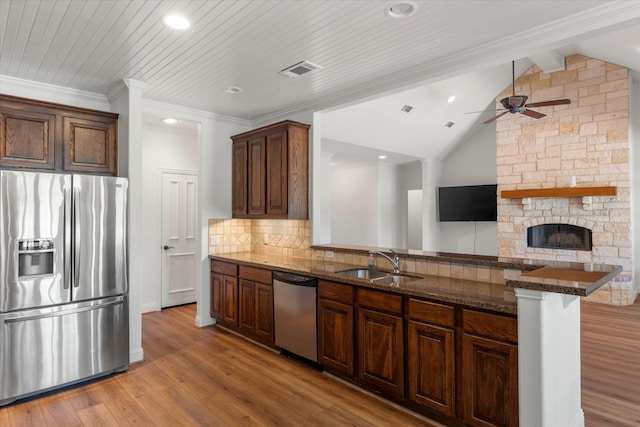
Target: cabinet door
(90, 144)
(239, 178)
(246, 316)
(430, 367)
(27, 139)
(230, 300)
(257, 187)
(489, 382)
(380, 349)
(264, 311)
(277, 189)
(216, 296)
(335, 336)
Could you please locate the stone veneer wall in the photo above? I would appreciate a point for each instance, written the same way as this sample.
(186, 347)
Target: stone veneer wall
(588, 139)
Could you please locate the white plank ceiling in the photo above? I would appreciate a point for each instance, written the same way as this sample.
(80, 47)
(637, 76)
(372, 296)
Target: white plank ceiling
(92, 45)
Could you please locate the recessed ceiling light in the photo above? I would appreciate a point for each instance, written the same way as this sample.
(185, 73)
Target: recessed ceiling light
(233, 89)
(401, 9)
(177, 22)
(451, 99)
(170, 121)
(382, 157)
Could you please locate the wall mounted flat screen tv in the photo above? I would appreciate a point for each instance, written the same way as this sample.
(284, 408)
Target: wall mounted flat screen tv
(468, 203)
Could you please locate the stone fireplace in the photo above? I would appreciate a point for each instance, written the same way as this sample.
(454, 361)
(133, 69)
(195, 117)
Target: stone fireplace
(586, 142)
(559, 236)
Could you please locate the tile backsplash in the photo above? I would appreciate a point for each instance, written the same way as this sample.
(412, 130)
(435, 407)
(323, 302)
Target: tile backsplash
(269, 236)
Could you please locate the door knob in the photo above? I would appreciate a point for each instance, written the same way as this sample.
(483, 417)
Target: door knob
(166, 248)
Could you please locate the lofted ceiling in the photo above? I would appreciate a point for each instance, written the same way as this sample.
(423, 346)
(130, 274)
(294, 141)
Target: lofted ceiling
(445, 47)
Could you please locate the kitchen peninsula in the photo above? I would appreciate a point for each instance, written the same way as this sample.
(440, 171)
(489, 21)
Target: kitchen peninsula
(476, 340)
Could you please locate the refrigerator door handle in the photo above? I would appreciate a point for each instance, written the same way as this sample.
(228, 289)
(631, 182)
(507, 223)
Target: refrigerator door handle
(43, 314)
(76, 240)
(67, 238)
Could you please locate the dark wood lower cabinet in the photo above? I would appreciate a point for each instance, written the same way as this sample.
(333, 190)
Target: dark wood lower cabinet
(229, 300)
(247, 306)
(216, 296)
(381, 351)
(242, 298)
(430, 366)
(335, 336)
(489, 382)
(264, 311)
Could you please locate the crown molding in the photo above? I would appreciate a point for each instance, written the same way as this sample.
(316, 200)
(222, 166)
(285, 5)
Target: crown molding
(161, 109)
(52, 93)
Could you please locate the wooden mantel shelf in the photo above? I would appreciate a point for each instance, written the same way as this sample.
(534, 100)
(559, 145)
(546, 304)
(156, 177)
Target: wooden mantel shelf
(559, 192)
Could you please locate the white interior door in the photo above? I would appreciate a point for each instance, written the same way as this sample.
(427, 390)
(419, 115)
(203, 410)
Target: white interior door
(179, 215)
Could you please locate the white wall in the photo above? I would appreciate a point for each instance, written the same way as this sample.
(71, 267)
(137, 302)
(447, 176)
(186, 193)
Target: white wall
(634, 135)
(170, 148)
(354, 206)
(472, 162)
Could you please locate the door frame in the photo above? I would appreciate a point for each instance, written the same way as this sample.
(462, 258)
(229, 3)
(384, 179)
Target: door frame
(198, 285)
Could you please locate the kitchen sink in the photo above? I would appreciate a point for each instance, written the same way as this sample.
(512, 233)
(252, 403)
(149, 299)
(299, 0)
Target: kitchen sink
(377, 276)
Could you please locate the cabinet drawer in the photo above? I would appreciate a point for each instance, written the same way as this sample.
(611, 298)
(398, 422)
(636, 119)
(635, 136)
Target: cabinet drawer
(255, 274)
(224, 267)
(335, 291)
(430, 312)
(490, 325)
(380, 301)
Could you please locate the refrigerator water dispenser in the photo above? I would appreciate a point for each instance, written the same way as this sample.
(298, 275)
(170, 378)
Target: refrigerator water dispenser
(35, 258)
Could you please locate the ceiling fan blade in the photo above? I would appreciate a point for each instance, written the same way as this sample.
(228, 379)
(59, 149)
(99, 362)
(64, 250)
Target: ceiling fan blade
(494, 118)
(486, 111)
(533, 114)
(549, 103)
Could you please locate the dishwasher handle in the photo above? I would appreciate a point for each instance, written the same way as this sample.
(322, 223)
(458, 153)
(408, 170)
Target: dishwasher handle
(294, 279)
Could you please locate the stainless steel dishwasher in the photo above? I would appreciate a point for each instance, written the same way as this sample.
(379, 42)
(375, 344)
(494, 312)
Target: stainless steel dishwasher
(294, 314)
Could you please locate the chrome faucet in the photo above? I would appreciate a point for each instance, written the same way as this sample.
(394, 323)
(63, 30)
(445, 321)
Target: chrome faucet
(395, 261)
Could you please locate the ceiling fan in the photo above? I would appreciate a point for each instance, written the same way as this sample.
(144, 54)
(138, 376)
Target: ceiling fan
(517, 103)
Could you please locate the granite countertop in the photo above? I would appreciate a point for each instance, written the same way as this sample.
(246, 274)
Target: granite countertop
(572, 278)
(488, 296)
(566, 278)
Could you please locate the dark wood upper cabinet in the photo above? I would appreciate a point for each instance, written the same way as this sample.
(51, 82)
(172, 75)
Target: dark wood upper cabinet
(89, 144)
(270, 172)
(41, 135)
(27, 138)
(240, 178)
(257, 177)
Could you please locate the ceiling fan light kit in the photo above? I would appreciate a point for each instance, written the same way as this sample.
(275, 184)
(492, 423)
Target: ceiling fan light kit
(518, 103)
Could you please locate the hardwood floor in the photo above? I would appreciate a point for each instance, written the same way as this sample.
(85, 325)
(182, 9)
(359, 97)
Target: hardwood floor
(207, 376)
(610, 346)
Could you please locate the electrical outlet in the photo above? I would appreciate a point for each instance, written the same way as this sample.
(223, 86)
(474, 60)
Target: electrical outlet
(214, 240)
(328, 254)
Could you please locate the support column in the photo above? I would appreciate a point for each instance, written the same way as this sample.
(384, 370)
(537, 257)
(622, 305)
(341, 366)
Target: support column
(549, 359)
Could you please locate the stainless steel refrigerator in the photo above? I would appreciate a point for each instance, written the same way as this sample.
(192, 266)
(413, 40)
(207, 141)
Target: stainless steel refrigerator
(63, 280)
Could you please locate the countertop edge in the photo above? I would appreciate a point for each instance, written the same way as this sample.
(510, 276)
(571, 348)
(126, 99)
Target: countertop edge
(562, 286)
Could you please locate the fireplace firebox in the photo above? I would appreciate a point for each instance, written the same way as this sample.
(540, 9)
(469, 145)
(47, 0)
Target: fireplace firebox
(559, 236)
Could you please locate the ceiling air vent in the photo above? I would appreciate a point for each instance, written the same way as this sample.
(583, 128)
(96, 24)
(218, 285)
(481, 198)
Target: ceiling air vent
(406, 108)
(299, 69)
